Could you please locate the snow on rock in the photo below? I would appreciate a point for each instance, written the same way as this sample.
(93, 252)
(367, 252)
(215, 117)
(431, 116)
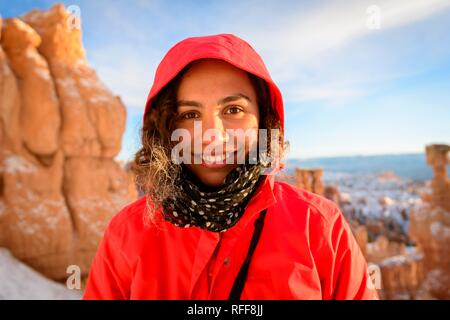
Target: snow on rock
(18, 281)
(60, 131)
(440, 230)
(402, 275)
(382, 202)
(14, 163)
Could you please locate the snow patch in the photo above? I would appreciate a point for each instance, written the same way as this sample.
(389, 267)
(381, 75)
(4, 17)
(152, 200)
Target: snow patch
(14, 163)
(68, 87)
(43, 73)
(6, 70)
(394, 260)
(412, 254)
(88, 83)
(18, 281)
(99, 99)
(439, 230)
(32, 54)
(369, 197)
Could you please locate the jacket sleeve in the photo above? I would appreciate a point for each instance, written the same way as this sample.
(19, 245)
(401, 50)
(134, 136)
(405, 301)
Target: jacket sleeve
(109, 275)
(349, 278)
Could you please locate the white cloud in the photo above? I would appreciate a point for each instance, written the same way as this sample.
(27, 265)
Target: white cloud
(298, 44)
(295, 40)
(317, 93)
(300, 35)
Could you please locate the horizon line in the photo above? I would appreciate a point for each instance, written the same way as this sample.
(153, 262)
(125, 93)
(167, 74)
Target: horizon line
(356, 155)
(335, 156)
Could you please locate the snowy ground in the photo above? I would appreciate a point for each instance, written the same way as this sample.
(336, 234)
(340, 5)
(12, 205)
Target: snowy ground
(18, 281)
(377, 196)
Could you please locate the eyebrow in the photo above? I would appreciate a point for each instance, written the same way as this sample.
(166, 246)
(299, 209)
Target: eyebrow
(225, 100)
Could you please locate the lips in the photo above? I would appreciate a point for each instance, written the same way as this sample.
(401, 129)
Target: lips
(219, 161)
(213, 165)
(214, 159)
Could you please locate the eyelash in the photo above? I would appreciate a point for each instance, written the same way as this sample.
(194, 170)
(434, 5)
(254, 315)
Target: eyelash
(234, 107)
(184, 115)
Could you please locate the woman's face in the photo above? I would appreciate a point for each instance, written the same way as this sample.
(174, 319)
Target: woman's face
(215, 95)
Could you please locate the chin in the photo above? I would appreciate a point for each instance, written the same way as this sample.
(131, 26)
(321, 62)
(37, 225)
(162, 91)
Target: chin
(215, 181)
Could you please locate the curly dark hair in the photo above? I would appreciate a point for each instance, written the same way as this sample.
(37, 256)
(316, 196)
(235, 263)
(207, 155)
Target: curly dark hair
(155, 173)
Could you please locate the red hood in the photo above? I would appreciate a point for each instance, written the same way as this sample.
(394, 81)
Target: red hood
(227, 47)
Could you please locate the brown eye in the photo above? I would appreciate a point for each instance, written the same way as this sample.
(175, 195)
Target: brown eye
(188, 115)
(233, 110)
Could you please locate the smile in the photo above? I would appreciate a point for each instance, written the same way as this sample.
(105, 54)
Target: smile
(216, 162)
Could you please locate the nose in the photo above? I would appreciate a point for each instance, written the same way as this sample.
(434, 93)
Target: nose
(213, 130)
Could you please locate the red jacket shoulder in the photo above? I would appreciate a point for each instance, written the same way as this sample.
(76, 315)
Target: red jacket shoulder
(128, 214)
(128, 222)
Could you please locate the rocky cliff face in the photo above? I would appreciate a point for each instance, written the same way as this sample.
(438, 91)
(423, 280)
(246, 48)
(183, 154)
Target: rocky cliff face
(310, 179)
(430, 224)
(60, 129)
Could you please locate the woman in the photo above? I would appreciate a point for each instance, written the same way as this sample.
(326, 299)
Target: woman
(211, 227)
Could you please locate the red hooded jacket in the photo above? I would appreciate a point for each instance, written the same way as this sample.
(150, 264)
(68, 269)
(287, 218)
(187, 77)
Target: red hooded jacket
(306, 249)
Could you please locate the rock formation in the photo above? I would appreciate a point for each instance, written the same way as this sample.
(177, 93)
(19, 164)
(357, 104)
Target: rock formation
(60, 129)
(361, 236)
(438, 159)
(430, 224)
(310, 180)
(402, 276)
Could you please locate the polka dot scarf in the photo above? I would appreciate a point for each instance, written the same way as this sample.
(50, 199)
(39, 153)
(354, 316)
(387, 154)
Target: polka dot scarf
(212, 209)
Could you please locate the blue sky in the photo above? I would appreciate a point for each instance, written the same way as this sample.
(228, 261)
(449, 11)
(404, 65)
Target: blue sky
(348, 89)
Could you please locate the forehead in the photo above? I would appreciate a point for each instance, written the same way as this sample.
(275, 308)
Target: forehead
(210, 76)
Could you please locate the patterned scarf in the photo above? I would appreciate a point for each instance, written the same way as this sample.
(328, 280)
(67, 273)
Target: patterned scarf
(213, 209)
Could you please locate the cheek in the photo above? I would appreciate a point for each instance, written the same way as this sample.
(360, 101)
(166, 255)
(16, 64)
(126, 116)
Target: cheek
(188, 129)
(249, 121)
(252, 121)
(250, 141)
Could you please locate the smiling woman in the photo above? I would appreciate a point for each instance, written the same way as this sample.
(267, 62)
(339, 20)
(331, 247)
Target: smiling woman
(215, 95)
(208, 86)
(213, 229)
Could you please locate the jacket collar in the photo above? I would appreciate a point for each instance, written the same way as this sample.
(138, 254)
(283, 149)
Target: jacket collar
(207, 242)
